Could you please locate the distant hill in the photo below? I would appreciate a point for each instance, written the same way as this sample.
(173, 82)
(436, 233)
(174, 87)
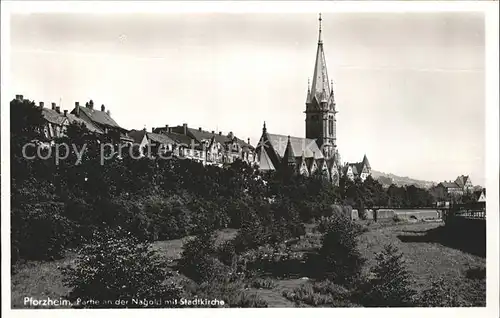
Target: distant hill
(387, 179)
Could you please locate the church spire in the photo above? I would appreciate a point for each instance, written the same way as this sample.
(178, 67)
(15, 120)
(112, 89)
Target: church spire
(320, 84)
(320, 41)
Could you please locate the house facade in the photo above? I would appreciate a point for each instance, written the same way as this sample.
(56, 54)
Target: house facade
(358, 169)
(208, 148)
(460, 186)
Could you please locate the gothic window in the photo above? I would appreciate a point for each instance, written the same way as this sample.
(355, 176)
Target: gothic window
(330, 125)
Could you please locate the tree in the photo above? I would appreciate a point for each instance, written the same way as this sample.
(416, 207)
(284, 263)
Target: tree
(391, 282)
(115, 266)
(342, 259)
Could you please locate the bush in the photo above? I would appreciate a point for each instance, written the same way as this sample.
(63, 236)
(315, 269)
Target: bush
(476, 273)
(440, 294)
(199, 259)
(231, 292)
(116, 266)
(342, 260)
(390, 285)
(396, 218)
(320, 294)
(263, 283)
(41, 232)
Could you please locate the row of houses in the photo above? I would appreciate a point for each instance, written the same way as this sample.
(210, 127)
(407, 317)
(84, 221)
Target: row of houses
(211, 148)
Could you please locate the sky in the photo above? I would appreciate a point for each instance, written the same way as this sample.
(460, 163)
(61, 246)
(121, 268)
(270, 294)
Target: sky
(409, 87)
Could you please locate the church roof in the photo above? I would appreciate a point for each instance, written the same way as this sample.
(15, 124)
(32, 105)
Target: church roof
(299, 145)
(265, 162)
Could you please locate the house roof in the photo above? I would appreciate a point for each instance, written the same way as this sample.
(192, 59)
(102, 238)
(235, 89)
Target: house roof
(462, 180)
(300, 146)
(76, 120)
(53, 116)
(100, 117)
(447, 184)
(160, 138)
(180, 138)
(137, 135)
(200, 135)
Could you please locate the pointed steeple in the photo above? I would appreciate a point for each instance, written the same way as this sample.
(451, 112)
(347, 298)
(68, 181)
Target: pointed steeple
(308, 98)
(289, 156)
(320, 84)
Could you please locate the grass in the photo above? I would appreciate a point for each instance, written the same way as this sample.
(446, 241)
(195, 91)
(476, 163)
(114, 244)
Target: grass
(426, 260)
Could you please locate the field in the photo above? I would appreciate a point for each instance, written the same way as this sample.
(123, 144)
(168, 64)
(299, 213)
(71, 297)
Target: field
(426, 259)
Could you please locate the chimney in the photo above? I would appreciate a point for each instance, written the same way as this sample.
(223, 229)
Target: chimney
(220, 133)
(108, 112)
(166, 128)
(199, 128)
(103, 108)
(91, 104)
(58, 109)
(18, 97)
(77, 109)
(65, 113)
(41, 104)
(185, 128)
(248, 141)
(213, 132)
(53, 106)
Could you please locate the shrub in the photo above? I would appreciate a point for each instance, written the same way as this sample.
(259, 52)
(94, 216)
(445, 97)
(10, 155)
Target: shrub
(263, 283)
(231, 292)
(341, 257)
(116, 266)
(390, 285)
(396, 218)
(41, 232)
(440, 294)
(199, 259)
(319, 294)
(476, 273)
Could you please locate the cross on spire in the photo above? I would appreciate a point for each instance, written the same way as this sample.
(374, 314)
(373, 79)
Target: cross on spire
(319, 38)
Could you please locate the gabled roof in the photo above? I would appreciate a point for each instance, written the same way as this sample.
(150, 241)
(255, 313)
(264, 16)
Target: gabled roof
(299, 145)
(264, 161)
(99, 117)
(310, 163)
(160, 138)
(180, 138)
(137, 135)
(90, 127)
(449, 184)
(53, 116)
(365, 162)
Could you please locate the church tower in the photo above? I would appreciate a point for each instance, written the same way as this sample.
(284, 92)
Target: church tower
(321, 123)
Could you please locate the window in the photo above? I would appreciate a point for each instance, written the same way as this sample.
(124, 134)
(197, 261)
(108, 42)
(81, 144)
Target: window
(330, 125)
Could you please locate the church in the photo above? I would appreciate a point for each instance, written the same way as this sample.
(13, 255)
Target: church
(317, 153)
